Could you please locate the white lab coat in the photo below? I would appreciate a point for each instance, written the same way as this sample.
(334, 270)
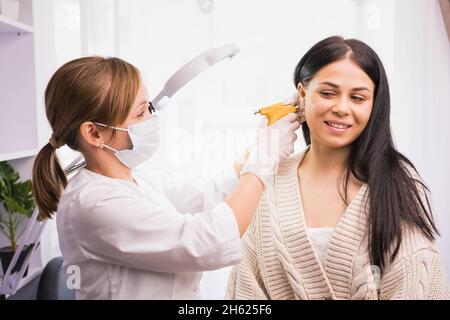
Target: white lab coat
(149, 241)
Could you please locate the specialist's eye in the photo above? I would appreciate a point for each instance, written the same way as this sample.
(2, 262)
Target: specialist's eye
(142, 114)
(143, 111)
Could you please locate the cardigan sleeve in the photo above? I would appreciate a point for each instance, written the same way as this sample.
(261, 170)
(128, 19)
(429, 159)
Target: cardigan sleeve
(417, 276)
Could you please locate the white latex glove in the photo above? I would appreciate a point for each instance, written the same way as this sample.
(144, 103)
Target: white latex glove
(273, 144)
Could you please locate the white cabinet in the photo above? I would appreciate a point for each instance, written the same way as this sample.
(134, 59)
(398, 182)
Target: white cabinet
(18, 102)
(18, 111)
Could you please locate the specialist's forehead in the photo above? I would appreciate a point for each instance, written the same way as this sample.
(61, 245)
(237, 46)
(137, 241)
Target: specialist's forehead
(141, 96)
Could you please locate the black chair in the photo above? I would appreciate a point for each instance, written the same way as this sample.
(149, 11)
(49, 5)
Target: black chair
(52, 284)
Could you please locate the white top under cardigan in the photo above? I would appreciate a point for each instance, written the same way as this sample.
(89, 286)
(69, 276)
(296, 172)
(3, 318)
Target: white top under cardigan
(320, 238)
(149, 241)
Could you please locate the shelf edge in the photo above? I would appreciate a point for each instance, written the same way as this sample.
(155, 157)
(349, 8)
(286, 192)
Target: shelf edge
(14, 24)
(18, 155)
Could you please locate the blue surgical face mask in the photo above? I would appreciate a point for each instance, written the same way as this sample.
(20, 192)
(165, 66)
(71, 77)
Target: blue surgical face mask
(145, 138)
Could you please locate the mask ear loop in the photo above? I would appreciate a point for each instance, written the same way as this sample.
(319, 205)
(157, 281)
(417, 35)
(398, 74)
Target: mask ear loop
(106, 126)
(108, 147)
(115, 128)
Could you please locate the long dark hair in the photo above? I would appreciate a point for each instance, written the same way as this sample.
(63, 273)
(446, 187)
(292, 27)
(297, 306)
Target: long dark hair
(396, 192)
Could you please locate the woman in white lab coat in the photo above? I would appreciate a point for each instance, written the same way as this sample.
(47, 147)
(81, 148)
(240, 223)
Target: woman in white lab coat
(127, 235)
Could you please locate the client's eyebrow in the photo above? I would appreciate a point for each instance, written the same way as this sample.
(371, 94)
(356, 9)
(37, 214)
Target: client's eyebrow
(334, 85)
(331, 84)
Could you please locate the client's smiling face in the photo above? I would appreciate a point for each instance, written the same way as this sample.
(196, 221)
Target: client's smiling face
(338, 103)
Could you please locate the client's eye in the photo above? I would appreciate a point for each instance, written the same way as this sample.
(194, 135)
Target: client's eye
(327, 94)
(358, 98)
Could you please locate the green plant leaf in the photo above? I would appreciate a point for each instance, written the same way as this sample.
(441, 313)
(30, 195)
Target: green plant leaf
(7, 172)
(17, 199)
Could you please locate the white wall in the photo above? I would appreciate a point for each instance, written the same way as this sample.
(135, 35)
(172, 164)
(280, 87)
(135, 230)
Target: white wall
(421, 101)
(45, 49)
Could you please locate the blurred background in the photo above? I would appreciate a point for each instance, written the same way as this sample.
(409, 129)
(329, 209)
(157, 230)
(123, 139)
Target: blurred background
(210, 121)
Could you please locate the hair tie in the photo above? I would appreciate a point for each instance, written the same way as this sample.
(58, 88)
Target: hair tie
(54, 142)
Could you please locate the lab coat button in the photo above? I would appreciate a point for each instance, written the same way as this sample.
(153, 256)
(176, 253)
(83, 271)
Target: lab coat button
(195, 289)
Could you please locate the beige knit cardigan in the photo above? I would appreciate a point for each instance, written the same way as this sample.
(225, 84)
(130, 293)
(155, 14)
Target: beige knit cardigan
(278, 261)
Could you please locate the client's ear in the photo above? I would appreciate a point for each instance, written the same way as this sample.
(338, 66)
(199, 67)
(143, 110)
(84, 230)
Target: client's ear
(301, 90)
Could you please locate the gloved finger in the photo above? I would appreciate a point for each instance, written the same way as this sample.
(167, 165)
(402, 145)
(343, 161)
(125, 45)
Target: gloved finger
(290, 117)
(295, 125)
(263, 122)
(291, 138)
(286, 152)
(291, 149)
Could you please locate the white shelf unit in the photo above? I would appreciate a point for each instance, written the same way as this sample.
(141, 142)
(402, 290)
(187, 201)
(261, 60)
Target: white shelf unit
(8, 25)
(18, 103)
(18, 111)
